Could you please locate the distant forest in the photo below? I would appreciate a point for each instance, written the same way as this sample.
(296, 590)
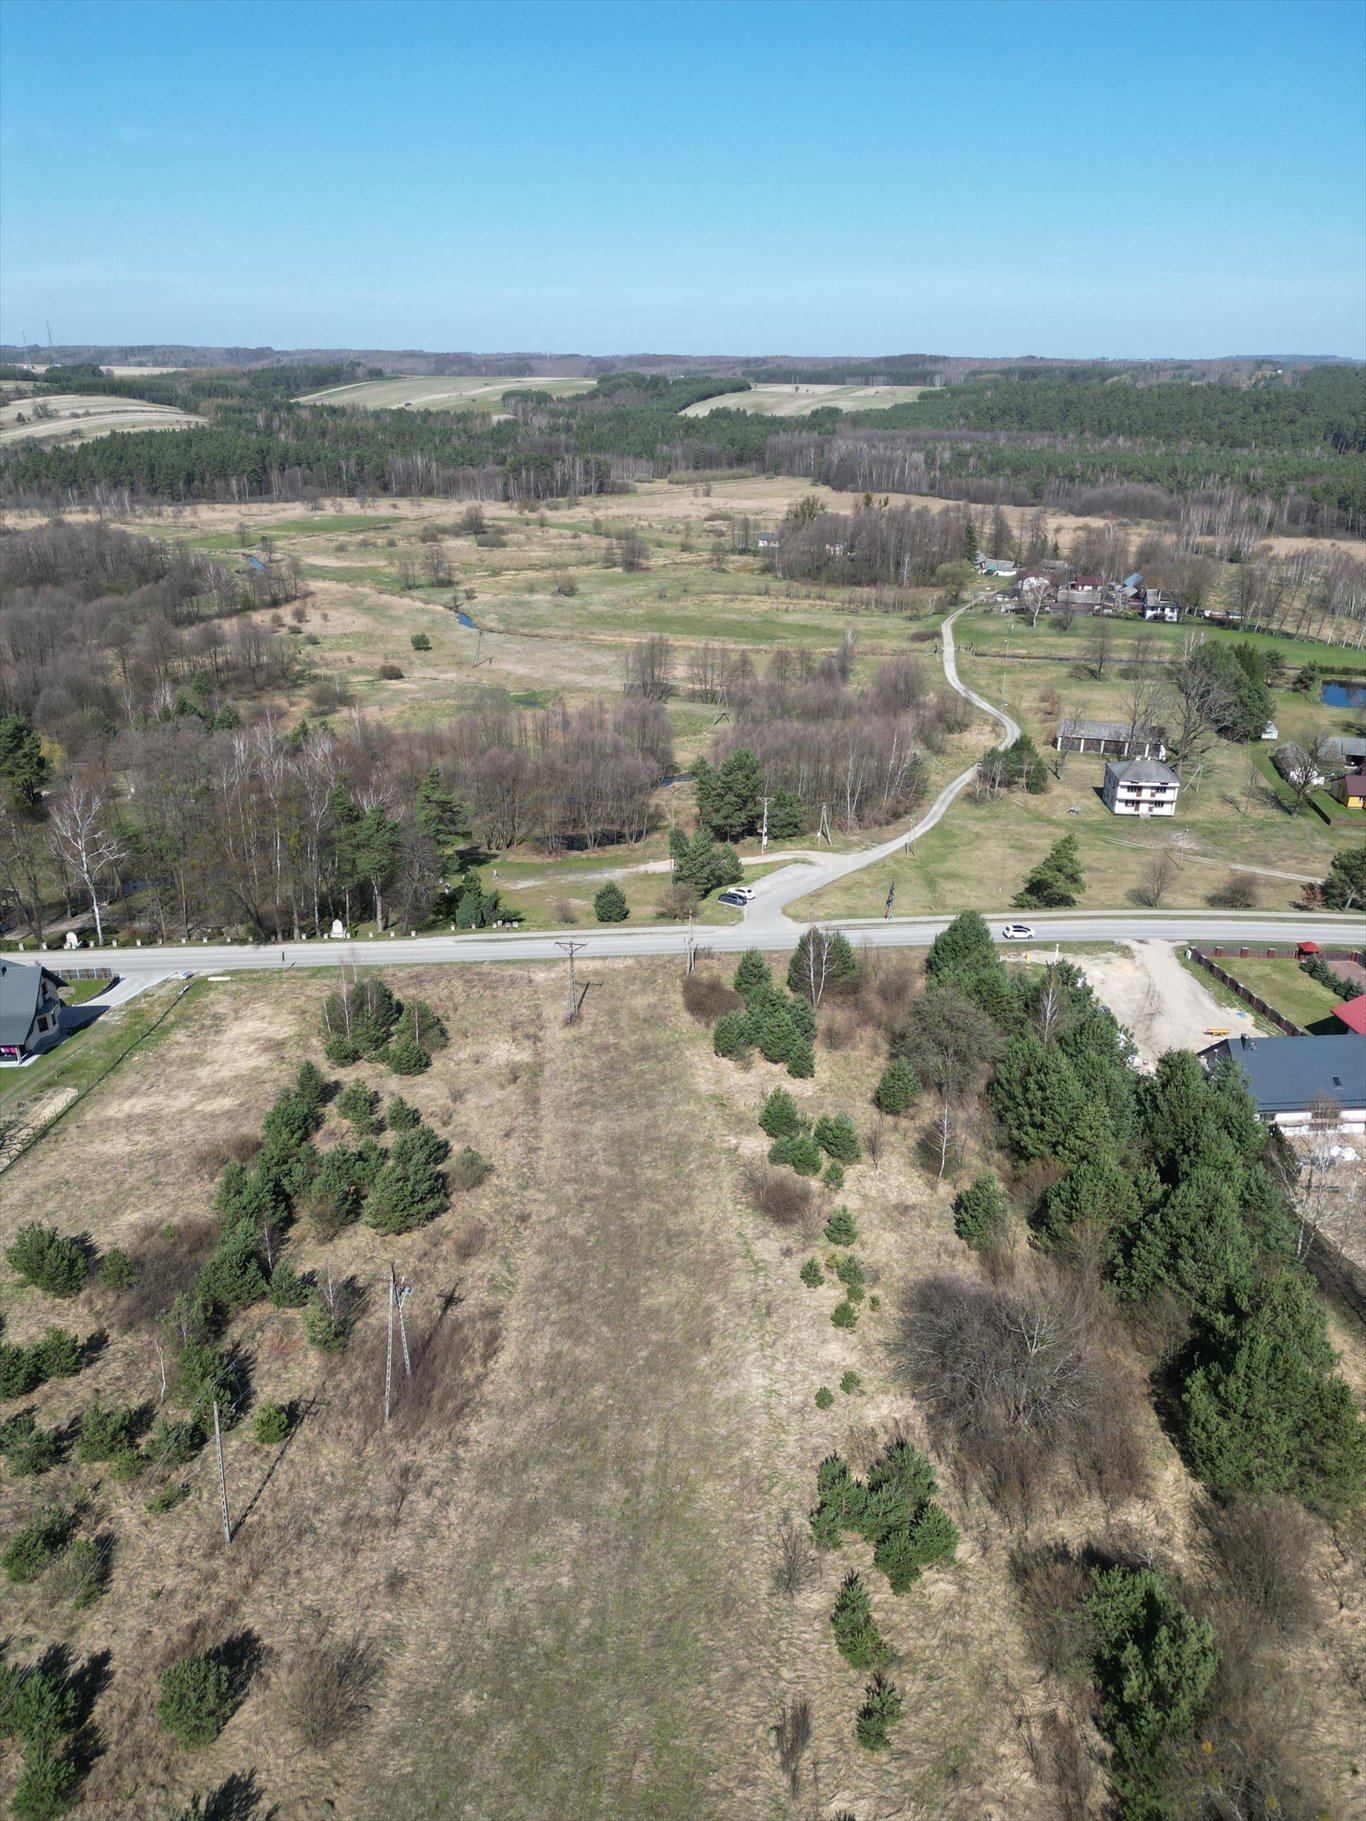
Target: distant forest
(1288, 447)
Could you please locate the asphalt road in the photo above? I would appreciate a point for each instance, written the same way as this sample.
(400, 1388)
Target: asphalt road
(1228, 928)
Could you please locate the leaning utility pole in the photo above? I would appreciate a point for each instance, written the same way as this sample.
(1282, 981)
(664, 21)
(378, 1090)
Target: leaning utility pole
(222, 1476)
(572, 1001)
(823, 832)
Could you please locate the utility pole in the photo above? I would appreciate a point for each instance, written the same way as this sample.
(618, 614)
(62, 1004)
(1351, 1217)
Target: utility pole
(891, 898)
(389, 1346)
(572, 1001)
(763, 832)
(478, 645)
(823, 832)
(691, 950)
(222, 1475)
(404, 1292)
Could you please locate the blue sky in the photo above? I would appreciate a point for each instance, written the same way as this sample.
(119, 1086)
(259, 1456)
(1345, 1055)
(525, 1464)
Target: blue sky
(1109, 179)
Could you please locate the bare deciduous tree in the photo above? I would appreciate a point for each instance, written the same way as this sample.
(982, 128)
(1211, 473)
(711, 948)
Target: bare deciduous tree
(649, 668)
(84, 841)
(1157, 877)
(1199, 703)
(1100, 647)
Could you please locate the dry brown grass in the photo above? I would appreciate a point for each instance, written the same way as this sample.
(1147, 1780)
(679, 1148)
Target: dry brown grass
(565, 1550)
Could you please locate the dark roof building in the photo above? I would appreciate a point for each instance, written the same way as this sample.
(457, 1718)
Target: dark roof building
(1288, 1076)
(1113, 739)
(30, 1009)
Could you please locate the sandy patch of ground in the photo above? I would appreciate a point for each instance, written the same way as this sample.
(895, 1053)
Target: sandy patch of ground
(1163, 1006)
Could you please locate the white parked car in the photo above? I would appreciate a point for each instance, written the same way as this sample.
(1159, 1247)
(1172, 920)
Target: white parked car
(1018, 932)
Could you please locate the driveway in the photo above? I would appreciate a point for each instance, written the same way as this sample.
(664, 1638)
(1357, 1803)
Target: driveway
(1164, 1006)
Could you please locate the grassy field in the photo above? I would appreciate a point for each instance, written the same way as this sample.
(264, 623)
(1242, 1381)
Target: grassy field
(442, 392)
(1227, 819)
(801, 400)
(77, 417)
(1289, 990)
(80, 1058)
(562, 1551)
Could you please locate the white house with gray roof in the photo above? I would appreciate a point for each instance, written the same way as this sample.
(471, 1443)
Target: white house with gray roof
(1140, 787)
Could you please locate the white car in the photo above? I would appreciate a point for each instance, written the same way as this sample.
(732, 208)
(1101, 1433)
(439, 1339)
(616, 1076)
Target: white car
(743, 891)
(1018, 932)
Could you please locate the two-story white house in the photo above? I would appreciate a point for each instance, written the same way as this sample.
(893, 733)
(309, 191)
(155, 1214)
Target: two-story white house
(1140, 787)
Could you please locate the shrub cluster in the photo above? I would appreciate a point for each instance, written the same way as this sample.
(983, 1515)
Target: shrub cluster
(196, 1699)
(27, 1449)
(857, 1637)
(895, 1510)
(1318, 969)
(365, 1020)
(1153, 1662)
(982, 1213)
(882, 1708)
(43, 1259)
(781, 1026)
(38, 1706)
(30, 1549)
(23, 1369)
(1169, 1182)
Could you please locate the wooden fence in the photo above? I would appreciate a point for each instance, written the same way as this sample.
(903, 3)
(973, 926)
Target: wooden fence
(1271, 953)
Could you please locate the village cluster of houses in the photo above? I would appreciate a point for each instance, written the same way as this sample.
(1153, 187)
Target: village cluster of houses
(1054, 583)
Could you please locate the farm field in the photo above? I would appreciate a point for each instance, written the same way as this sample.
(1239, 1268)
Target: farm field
(441, 392)
(800, 400)
(78, 417)
(559, 1560)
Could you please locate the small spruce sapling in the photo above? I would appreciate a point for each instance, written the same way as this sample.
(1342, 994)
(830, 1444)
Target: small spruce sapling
(898, 1089)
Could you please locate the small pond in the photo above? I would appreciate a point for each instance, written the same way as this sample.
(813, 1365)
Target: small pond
(465, 620)
(1343, 695)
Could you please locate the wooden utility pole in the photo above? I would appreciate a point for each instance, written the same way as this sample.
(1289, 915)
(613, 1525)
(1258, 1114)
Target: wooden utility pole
(389, 1347)
(222, 1475)
(763, 832)
(478, 645)
(823, 832)
(572, 1001)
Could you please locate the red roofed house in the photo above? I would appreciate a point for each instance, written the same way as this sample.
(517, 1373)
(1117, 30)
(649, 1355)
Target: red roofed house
(1352, 1012)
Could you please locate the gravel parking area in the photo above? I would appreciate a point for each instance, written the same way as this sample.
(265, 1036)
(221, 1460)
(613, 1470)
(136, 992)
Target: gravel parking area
(1163, 1005)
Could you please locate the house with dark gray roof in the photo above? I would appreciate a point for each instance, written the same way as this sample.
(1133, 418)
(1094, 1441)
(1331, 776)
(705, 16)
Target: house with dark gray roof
(30, 1009)
(1289, 1077)
(1139, 787)
(1345, 749)
(1112, 739)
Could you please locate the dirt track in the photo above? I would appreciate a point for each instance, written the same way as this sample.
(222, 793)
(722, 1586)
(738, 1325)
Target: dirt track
(1163, 1005)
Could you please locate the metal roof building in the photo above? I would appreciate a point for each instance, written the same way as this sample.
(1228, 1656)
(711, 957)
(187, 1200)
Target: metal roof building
(1288, 1075)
